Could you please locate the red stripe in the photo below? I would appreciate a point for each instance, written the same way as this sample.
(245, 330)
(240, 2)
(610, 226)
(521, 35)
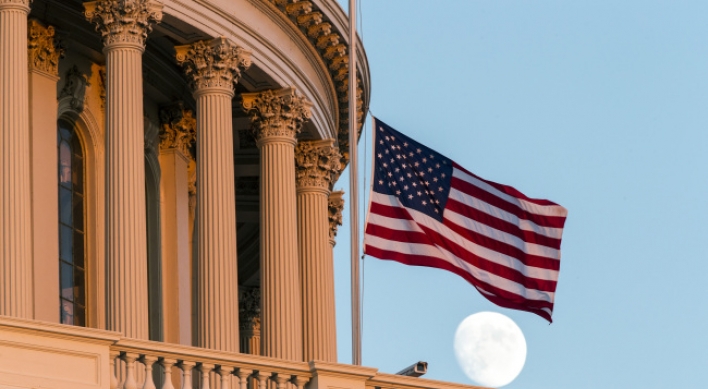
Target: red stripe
(509, 299)
(433, 238)
(505, 189)
(501, 225)
(474, 191)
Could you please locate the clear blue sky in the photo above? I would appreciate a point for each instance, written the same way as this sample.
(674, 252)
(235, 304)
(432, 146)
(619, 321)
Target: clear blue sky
(601, 106)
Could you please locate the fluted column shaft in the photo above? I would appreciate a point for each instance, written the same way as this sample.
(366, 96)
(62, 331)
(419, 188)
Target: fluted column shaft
(124, 28)
(216, 223)
(15, 238)
(317, 270)
(213, 67)
(281, 325)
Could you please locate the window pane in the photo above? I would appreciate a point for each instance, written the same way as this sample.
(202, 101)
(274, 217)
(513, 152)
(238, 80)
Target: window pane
(80, 315)
(78, 210)
(65, 163)
(77, 174)
(67, 281)
(79, 286)
(67, 312)
(78, 249)
(65, 205)
(65, 243)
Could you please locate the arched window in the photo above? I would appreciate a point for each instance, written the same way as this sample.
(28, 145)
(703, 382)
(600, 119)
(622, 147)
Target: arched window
(72, 261)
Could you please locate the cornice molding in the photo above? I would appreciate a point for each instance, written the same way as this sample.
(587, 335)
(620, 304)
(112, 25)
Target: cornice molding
(124, 22)
(43, 48)
(276, 113)
(317, 163)
(216, 63)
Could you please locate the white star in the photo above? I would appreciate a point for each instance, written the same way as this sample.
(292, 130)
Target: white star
(421, 174)
(416, 164)
(432, 156)
(419, 151)
(398, 156)
(409, 175)
(405, 144)
(380, 182)
(392, 160)
(437, 201)
(419, 193)
(385, 164)
(394, 183)
(380, 142)
(442, 175)
(414, 184)
(386, 151)
(410, 154)
(405, 187)
(425, 160)
(398, 193)
(401, 179)
(397, 170)
(437, 165)
(410, 197)
(403, 165)
(380, 155)
(381, 129)
(430, 170)
(435, 179)
(424, 202)
(427, 183)
(390, 174)
(436, 210)
(387, 138)
(440, 189)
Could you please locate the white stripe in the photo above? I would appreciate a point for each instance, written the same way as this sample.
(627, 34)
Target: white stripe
(545, 210)
(438, 252)
(498, 213)
(480, 251)
(501, 236)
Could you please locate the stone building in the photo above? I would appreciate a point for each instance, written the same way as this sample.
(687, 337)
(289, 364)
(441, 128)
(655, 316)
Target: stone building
(166, 207)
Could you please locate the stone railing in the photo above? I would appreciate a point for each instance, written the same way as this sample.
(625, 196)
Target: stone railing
(44, 355)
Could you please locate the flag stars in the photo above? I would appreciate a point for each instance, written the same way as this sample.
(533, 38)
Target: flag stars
(410, 197)
(425, 202)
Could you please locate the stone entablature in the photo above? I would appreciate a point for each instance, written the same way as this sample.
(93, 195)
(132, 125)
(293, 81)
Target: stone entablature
(124, 21)
(178, 129)
(43, 48)
(216, 63)
(317, 164)
(276, 113)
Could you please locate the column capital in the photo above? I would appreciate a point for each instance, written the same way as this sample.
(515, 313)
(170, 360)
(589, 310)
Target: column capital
(317, 163)
(123, 22)
(249, 309)
(43, 48)
(15, 4)
(276, 113)
(336, 206)
(213, 64)
(178, 128)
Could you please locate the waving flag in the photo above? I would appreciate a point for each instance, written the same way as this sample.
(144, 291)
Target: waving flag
(426, 210)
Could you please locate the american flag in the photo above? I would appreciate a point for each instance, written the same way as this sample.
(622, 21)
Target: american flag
(426, 210)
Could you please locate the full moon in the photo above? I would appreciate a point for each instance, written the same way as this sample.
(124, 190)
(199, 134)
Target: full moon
(490, 348)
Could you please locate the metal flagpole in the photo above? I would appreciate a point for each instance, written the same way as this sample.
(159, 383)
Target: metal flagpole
(353, 190)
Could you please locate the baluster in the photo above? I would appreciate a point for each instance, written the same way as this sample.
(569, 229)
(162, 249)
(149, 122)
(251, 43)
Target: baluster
(225, 373)
(280, 380)
(112, 355)
(129, 359)
(262, 378)
(148, 361)
(243, 375)
(167, 366)
(187, 374)
(300, 382)
(205, 369)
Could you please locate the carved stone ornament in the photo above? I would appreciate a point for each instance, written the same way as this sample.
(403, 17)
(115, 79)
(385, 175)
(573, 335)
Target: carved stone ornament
(43, 48)
(336, 206)
(276, 113)
(123, 21)
(15, 4)
(75, 86)
(249, 309)
(178, 128)
(317, 163)
(216, 63)
(102, 85)
(192, 182)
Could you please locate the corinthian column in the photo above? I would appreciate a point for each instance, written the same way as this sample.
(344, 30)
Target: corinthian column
(44, 52)
(15, 233)
(124, 26)
(277, 118)
(213, 67)
(317, 163)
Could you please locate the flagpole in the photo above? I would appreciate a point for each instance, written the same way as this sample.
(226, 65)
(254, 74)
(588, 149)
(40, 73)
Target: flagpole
(353, 190)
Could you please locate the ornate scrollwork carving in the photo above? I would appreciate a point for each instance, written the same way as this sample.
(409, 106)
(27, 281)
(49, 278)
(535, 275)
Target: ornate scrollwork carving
(75, 86)
(178, 128)
(276, 113)
(123, 21)
(43, 47)
(216, 63)
(317, 163)
(336, 205)
(249, 309)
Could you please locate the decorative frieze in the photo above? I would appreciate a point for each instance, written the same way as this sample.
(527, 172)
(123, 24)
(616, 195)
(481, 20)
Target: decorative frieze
(317, 163)
(276, 113)
(75, 83)
(178, 128)
(336, 206)
(43, 48)
(216, 63)
(123, 21)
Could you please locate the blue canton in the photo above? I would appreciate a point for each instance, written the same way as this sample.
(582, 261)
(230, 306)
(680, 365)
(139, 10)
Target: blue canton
(417, 175)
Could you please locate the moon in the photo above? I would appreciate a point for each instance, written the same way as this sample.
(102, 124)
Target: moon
(490, 348)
